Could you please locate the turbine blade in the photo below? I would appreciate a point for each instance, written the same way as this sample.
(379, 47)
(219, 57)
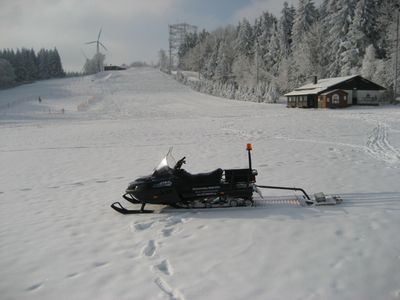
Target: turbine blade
(91, 42)
(98, 37)
(103, 46)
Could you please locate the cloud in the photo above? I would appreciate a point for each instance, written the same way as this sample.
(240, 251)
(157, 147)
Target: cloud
(132, 29)
(254, 8)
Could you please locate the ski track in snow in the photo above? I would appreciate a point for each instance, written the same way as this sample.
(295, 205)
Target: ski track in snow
(379, 147)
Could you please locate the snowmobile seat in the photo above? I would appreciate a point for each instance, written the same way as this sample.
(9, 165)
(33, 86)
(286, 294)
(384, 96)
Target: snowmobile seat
(201, 179)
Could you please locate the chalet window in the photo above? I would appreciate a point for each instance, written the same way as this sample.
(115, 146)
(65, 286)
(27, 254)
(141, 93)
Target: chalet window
(335, 99)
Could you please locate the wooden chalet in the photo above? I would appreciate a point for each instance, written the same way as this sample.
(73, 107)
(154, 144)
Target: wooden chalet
(336, 92)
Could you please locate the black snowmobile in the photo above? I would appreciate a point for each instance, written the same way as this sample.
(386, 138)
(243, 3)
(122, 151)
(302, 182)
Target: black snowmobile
(173, 186)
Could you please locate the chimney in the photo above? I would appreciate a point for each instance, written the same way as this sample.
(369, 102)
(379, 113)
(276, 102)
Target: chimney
(315, 79)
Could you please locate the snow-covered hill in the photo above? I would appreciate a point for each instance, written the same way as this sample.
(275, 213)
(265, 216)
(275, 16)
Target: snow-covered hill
(65, 159)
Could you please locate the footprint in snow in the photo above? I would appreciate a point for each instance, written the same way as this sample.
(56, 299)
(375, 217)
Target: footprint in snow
(35, 287)
(176, 220)
(143, 226)
(150, 249)
(167, 232)
(100, 263)
(165, 267)
(173, 294)
(72, 275)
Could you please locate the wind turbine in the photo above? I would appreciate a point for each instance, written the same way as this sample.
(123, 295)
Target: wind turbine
(98, 43)
(99, 58)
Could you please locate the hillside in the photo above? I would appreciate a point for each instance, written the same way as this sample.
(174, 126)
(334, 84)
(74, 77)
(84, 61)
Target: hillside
(65, 159)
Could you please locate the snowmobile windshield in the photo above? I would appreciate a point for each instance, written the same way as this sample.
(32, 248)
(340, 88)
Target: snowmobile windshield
(167, 163)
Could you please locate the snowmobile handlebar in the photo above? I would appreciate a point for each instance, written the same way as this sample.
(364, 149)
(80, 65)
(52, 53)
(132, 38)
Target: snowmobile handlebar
(180, 162)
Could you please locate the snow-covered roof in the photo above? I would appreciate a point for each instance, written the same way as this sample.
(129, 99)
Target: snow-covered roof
(322, 85)
(333, 91)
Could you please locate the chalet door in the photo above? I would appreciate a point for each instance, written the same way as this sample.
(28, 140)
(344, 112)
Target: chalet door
(354, 97)
(312, 101)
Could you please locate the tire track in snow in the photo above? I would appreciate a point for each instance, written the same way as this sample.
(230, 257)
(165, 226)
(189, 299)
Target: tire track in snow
(379, 147)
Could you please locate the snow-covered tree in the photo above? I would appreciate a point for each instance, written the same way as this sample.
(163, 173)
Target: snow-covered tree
(244, 42)
(29, 66)
(94, 65)
(360, 34)
(243, 71)
(306, 15)
(327, 41)
(285, 27)
(162, 60)
(339, 18)
(56, 69)
(308, 57)
(266, 28)
(190, 41)
(368, 68)
(274, 53)
(7, 75)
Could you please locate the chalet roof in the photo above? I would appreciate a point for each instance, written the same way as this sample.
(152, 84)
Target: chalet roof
(322, 85)
(333, 91)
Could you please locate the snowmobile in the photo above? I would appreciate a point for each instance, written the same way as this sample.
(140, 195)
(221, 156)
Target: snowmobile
(171, 185)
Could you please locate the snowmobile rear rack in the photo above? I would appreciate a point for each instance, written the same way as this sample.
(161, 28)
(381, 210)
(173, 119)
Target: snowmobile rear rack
(308, 199)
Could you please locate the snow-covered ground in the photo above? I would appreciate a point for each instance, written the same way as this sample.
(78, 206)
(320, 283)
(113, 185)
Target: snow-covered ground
(59, 239)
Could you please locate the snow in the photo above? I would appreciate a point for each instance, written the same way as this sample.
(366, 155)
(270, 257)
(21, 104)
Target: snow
(60, 172)
(322, 85)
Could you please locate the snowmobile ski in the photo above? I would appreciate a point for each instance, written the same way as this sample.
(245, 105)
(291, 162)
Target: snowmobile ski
(122, 210)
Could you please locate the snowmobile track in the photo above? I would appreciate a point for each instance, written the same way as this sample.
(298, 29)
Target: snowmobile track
(378, 145)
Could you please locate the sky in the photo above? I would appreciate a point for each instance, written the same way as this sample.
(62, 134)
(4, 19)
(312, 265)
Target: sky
(132, 30)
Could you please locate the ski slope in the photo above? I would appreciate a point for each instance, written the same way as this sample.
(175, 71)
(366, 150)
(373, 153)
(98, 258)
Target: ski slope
(66, 159)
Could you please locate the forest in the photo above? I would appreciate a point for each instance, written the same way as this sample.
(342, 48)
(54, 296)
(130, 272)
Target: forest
(24, 65)
(273, 55)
